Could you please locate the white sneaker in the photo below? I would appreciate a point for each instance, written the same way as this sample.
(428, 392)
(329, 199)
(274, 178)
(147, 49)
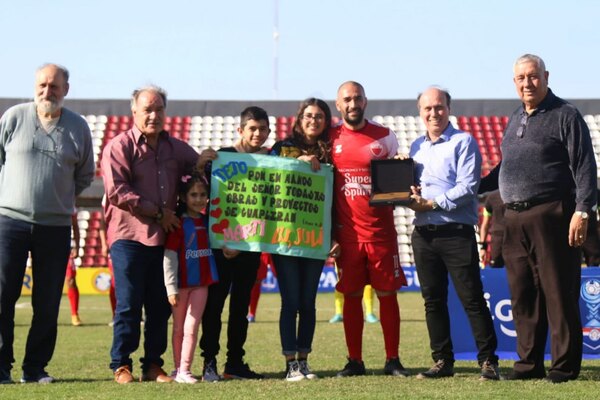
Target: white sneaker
(185, 377)
(293, 372)
(305, 370)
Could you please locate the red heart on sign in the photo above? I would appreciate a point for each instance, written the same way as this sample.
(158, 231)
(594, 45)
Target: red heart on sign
(215, 201)
(220, 227)
(216, 213)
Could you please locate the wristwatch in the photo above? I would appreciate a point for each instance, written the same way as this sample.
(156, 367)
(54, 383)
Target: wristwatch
(582, 214)
(434, 205)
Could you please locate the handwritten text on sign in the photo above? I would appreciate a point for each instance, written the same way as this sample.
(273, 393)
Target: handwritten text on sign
(272, 204)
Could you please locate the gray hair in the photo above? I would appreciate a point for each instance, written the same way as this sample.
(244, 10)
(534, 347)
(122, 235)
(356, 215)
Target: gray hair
(441, 89)
(149, 88)
(531, 58)
(64, 71)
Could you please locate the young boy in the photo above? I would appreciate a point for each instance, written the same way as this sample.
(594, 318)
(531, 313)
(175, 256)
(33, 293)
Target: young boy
(237, 272)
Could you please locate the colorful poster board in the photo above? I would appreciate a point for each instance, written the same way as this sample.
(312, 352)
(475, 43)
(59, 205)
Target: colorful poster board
(270, 204)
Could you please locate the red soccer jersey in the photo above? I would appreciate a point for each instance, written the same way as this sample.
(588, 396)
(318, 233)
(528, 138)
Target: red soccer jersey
(196, 262)
(352, 152)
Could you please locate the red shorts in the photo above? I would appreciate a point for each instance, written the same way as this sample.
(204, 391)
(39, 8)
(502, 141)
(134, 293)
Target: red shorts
(376, 264)
(71, 269)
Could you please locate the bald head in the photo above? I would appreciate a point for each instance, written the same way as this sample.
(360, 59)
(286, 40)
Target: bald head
(434, 109)
(351, 102)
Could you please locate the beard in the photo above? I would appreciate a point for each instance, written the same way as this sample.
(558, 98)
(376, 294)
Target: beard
(48, 106)
(357, 120)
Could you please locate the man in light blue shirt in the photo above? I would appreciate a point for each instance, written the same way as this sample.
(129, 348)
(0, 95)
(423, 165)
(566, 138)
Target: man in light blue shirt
(448, 169)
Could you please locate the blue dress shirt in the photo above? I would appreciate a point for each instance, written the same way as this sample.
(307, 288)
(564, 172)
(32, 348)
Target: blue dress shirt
(449, 172)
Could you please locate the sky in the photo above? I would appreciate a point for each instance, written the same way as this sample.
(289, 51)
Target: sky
(225, 49)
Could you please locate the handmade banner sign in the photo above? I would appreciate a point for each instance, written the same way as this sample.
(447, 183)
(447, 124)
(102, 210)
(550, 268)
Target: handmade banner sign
(270, 204)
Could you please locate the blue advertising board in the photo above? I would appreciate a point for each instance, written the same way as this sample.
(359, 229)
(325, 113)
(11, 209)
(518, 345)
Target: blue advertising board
(497, 295)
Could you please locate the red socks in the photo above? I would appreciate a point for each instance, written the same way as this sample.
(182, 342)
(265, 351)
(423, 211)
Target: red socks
(113, 299)
(254, 297)
(73, 294)
(353, 326)
(390, 324)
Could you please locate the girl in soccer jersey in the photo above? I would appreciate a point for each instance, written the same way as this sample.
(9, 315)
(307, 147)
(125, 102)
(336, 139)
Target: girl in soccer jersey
(189, 269)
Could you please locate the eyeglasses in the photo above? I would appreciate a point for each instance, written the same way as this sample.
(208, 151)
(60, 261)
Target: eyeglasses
(316, 117)
(44, 142)
(522, 127)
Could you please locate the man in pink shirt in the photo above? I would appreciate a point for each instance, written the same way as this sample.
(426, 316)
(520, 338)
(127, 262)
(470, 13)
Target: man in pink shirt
(141, 168)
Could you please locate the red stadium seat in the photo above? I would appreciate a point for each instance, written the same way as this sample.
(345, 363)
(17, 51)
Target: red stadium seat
(87, 261)
(100, 261)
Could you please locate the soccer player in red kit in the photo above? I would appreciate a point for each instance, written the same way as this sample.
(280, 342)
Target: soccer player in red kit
(366, 235)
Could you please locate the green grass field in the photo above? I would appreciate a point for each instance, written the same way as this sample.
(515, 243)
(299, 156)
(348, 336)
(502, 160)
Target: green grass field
(82, 356)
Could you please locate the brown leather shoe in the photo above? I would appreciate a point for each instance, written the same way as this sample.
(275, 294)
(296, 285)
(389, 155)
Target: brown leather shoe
(154, 373)
(123, 375)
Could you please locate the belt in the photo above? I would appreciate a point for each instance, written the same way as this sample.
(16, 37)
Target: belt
(441, 228)
(525, 205)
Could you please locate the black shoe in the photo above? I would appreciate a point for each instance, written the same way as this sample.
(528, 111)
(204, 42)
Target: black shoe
(210, 372)
(352, 368)
(555, 377)
(39, 377)
(240, 371)
(441, 369)
(489, 371)
(394, 367)
(522, 376)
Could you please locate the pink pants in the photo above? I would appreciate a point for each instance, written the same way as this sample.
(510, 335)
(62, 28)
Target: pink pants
(187, 316)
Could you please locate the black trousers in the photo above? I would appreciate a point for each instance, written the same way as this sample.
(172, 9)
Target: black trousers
(49, 247)
(496, 259)
(236, 278)
(544, 275)
(439, 254)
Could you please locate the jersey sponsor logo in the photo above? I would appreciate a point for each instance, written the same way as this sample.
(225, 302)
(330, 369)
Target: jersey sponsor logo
(376, 149)
(197, 253)
(356, 185)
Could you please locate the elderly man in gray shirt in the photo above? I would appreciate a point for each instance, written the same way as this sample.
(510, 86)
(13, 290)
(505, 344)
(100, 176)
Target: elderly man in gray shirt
(46, 159)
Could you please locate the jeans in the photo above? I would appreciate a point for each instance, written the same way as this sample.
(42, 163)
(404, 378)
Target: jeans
(139, 283)
(236, 278)
(437, 255)
(298, 279)
(50, 247)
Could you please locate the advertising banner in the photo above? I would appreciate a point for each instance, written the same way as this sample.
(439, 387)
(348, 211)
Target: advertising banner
(497, 295)
(89, 281)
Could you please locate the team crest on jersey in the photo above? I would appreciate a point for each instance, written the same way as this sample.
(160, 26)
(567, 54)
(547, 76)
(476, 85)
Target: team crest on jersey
(376, 149)
(338, 148)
